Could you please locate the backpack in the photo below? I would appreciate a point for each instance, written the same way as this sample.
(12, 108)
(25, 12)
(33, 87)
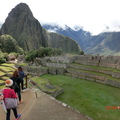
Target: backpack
(15, 85)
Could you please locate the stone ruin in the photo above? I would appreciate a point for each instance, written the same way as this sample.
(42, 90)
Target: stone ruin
(61, 65)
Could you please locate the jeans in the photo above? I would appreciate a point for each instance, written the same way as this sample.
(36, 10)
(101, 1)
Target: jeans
(22, 84)
(19, 94)
(8, 113)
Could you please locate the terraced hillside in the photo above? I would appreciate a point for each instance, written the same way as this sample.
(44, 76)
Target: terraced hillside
(105, 75)
(100, 102)
(104, 70)
(6, 71)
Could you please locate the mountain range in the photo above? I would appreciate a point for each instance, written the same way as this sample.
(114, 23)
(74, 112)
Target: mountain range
(25, 31)
(106, 43)
(29, 34)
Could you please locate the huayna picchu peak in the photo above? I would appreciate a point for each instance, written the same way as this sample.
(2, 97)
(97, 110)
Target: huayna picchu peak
(29, 34)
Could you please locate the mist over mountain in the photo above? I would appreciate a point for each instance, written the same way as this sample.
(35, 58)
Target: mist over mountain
(1, 24)
(77, 33)
(29, 34)
(106, 43)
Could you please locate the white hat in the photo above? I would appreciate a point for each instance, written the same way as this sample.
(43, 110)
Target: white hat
(9, 83)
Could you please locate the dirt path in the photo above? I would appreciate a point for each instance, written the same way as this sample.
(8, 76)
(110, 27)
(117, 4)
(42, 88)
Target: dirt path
(39, 106)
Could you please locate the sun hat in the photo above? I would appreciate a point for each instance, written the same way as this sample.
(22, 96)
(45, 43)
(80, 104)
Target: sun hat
(9, 83)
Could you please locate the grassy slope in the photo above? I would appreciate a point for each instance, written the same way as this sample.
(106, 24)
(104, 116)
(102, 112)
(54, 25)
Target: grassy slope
(96, 67)
(7, 68)
(88, 97)
(97, 73)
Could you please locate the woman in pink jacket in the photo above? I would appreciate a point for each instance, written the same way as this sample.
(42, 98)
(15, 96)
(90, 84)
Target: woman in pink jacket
(8, 92)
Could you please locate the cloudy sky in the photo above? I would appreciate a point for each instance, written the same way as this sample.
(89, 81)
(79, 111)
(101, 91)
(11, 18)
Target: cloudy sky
(93, 15)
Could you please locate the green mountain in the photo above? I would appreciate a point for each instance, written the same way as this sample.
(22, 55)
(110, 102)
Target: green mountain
(77, 33)
(106, 43)
(29, 34)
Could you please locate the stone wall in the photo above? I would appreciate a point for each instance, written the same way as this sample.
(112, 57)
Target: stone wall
(109, 61)
(58, 59)
(116, 74)
(109, 72)
(56, 65)
(88, 60)
(86, 74)
(112, 83)
(38, 71)
(35, 70)
(102, 81)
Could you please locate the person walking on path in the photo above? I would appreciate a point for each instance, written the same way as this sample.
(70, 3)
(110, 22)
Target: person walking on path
(22, 75)
(8, 92)
(16, 84)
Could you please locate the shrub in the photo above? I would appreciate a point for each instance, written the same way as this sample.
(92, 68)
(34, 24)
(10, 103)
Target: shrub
(30, 56)
(2, 57)
(42, 52)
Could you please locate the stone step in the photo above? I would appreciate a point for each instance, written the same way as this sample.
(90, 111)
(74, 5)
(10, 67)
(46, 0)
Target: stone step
(95, 75)
(90, 68)
(106, 81)
(90, 74)
(113, 72)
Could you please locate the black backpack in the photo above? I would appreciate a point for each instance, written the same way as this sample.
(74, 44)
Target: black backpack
(15, 85)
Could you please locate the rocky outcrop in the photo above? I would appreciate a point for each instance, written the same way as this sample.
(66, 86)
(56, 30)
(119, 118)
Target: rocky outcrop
(22, 26)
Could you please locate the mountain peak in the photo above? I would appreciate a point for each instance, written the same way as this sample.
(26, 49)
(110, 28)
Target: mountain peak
(77, 28)
(20, 9)
(27, 31)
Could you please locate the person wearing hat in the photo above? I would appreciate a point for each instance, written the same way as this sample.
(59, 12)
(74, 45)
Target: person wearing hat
(8, 92)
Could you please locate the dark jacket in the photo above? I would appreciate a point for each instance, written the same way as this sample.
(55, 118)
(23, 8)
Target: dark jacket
(16, 83)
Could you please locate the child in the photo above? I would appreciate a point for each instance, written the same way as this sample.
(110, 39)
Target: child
(8, 92)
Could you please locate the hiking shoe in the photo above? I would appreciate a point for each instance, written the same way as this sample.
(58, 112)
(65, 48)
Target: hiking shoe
(19, 115)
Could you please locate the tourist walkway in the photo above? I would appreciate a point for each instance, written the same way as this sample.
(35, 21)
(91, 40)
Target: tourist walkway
(39, 106)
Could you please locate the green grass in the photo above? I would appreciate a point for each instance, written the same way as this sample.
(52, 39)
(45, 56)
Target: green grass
(88, 97)
(8, 64)
(23, 64)
(42, 82)
(7, 69)
(1, 87)
(1, 81)
(2, 73)
(5, 77)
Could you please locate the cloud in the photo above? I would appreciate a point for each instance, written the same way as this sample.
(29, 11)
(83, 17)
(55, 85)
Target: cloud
(93, 15)
(1, 24)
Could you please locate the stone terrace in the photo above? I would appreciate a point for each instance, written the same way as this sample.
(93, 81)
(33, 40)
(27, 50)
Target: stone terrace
(100, 69)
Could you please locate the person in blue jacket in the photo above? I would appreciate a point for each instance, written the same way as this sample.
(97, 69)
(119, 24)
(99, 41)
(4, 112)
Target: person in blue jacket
(21, 75)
